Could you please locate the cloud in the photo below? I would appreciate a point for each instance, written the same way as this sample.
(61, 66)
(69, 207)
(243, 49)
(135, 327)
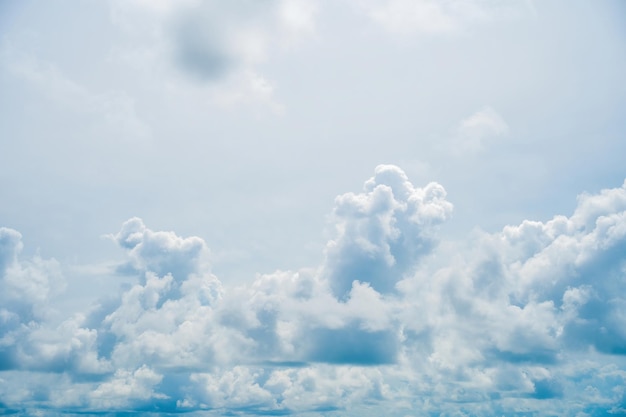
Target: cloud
(160, 252)
(126, 388)
(29, 339)
(211, 38)
(113, 109)
(200, 51)
(476, 132)
(217, 44)
(383, 231)
(214, 49)
(248, 89)
(26, 285)
(431, 17)
(528, 318)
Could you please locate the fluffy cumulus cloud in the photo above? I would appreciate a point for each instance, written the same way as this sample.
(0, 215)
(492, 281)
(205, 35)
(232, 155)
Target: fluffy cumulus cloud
(528, 320)
(383, 231)
(25, 288)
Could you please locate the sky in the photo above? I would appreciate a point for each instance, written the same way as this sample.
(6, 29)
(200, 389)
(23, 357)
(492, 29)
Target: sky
(313, 207)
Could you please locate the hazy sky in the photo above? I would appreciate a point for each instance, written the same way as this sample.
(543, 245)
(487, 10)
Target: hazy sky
(313, 207)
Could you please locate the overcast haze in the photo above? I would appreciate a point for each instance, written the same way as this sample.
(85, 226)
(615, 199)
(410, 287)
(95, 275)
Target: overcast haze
(322, 208)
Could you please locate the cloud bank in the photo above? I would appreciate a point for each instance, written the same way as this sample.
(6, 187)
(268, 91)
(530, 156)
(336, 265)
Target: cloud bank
(528, 320)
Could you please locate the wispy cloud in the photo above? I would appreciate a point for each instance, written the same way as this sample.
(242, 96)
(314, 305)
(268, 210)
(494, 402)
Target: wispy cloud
(432, 18)
(116, 108)
(476, 132)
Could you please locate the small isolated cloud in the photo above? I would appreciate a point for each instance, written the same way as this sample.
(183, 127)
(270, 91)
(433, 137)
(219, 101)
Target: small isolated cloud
(248, 89)
(528, 318)
(475, 133)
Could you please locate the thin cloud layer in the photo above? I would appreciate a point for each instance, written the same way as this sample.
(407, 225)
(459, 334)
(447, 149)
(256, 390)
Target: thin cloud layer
(436, 18)
(526, 320)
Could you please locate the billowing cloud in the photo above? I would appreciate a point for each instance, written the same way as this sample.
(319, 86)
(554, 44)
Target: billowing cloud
(159, 252)
(529, 318)
(28, 338)
(26, 285)
(383, 231)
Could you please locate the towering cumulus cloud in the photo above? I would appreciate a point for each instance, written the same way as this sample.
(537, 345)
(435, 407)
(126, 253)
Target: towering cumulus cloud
(383, 231)
(526, 321)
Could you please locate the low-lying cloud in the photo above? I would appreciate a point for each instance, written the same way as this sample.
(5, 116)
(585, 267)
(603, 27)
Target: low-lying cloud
(526, 320)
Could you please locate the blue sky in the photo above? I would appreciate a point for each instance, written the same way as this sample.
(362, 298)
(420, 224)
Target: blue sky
(313, 207)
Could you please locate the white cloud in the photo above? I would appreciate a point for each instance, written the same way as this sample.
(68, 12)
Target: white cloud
(29, 337)
(26, 285)
(160, 252)
(498, 324)
(234, 388)
(126, 388)
(69, 346)
(391, 315)
(383, 231)
(432, 17)
(113, 109)
(477, 132)
(246, 88)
